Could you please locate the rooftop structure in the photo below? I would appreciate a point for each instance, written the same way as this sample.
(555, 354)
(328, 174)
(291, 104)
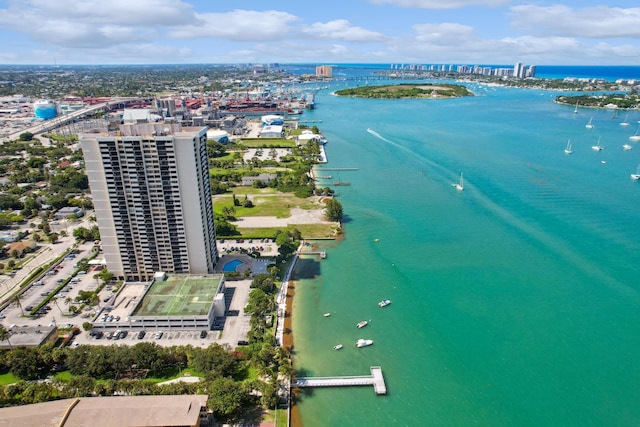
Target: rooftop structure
(110, 411)
(177, 302)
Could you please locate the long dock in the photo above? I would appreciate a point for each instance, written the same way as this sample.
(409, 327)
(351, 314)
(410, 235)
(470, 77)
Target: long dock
(376, 379)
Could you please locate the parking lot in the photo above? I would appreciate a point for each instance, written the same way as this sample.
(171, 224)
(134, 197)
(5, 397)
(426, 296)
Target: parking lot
(234, 326)
(230, 330)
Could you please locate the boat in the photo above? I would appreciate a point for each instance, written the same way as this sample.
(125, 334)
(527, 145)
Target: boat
(636, 176)
(575, 110)
(337, 346)
(625, 122)
(363, 343)
(384, 303)
(362, 324)
(626, 146)
(636, 136)
(568, 149)
(590, 124)
(459, 185)
(327, 314)
(597, 147)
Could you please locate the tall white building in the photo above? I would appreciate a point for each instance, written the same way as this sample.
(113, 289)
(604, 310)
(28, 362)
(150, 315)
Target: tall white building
(152, 198)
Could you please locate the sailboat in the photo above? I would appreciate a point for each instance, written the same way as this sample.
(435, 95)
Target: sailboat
(459, 185)
(598, 147)
(590, 124)
(636, 136)
(636, 176)
(568, 149)
(575, 110)
(625, 122)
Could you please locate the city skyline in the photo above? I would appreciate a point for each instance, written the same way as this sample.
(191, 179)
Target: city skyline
(363, 31)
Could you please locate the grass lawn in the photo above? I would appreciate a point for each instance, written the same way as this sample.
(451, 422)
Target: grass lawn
(267, 142)
(278, 206)
(309, 231)
(8, 378)
(63, 375)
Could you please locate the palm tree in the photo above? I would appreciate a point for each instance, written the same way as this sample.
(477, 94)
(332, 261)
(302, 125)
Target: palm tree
(68, 301)
(5, 335)
(16, 298)
(55, 301)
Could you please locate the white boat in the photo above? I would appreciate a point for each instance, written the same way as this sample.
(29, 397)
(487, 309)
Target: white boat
(625, 122)
(384, 302)
(636, 136)
(597, 147)
(363, 343)
(575, 110)
(459, 185)
(590, 124)
(327, 314)
(568, 149)
(362, 324)
(337, 346)
(636, 176)
(626, 147)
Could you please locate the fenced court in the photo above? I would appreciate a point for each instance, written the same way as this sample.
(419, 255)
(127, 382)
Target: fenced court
(179, 296)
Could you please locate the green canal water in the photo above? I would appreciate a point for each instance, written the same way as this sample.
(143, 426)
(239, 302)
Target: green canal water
(515, 301)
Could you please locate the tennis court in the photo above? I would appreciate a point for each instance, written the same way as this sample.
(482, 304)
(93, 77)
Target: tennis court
(179, 296)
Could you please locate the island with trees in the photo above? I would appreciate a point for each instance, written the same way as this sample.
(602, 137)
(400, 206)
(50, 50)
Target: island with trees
(403, 91)
(624, 101)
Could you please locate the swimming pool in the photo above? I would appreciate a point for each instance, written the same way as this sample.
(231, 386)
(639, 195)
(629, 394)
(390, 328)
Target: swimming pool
(231, 265)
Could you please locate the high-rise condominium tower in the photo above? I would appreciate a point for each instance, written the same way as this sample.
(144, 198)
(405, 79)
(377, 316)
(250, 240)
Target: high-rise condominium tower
(152, 198)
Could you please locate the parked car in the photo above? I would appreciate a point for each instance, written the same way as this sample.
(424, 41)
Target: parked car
(141, 335)
(203, 334)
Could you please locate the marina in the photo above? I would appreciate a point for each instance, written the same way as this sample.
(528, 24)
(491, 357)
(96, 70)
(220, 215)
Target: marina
(376, 379)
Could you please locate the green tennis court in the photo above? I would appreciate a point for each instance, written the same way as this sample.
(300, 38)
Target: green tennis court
(179, 296)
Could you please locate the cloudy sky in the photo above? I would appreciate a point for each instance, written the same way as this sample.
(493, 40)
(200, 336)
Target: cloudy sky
(580, 32)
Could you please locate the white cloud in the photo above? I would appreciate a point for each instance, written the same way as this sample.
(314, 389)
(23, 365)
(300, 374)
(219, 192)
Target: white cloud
(341, 29)
(456, 43)
(591, 22)
(442, 4)
(84, 23)
(239, 25)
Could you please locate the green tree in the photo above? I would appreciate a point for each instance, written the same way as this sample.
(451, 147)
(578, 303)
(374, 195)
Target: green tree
(25, 136)
(333, 210)
(25, 363)
(226, 397)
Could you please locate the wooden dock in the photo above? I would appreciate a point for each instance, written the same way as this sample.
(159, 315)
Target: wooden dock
(322, 254)
(376, 379)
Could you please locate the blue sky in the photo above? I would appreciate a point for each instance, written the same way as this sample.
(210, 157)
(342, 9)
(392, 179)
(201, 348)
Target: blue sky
(578, 32)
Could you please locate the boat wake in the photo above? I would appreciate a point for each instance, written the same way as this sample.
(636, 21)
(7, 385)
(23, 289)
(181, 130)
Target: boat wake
(382, 138)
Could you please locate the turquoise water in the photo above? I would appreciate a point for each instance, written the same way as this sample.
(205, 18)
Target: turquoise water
(515, 301)
(231, 265)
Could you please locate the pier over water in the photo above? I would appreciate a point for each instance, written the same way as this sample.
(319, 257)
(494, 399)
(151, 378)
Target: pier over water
(376, 379)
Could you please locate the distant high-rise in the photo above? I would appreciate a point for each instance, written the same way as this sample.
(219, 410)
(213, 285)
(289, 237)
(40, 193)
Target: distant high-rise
(324, 71)
(152, 198)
